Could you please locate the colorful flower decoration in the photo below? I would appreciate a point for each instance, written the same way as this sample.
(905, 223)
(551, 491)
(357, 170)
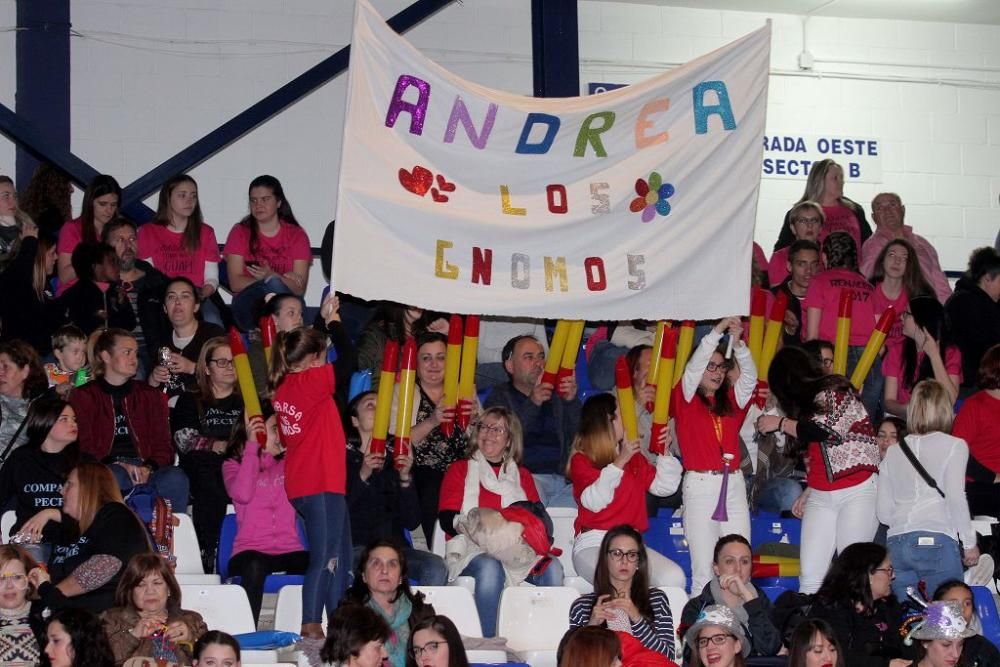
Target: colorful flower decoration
(652, 197)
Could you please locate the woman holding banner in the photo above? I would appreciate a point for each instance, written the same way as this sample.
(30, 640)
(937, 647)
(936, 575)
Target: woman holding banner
(708, 412)
(827, 424)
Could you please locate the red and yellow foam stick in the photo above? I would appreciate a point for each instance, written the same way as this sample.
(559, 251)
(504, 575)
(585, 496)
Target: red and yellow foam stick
(872, 347)
(407, 388)
(251, 402)
(554, 360)
(571, 351)
(664, 387)
(772, 334)
(758, 311)
(685, 342)
(452, 366)
(268, 332)
(842, 342)
(467, 379)
(626, 399)
(654, 360)
(383, 400)
(774, 566)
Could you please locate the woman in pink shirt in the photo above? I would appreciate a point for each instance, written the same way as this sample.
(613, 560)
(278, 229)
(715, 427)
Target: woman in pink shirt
(267, 538)
(180, 244)
(826, 186)
(897, 277)
(266, 252)
(822, 303)
(100, 206)
(927, 353)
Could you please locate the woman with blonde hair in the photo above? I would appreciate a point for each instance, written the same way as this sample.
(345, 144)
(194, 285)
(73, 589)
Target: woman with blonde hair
(22, 625)
(99, 537)
(921, 496)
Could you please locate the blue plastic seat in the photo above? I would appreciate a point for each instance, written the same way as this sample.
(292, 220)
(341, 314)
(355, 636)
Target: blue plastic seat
(665, 535)
(987, 609)
(274, 582)
(768, 527)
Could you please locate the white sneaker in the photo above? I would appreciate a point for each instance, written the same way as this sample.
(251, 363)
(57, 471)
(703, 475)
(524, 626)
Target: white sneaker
(981, 574)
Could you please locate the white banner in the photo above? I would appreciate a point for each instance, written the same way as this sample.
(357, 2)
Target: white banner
(636, 203)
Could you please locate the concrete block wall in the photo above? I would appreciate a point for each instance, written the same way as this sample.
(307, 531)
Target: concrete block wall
(149, 77)
(940, 140)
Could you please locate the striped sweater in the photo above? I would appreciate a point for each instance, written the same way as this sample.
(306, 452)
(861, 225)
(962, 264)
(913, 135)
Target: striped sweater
(656, 636)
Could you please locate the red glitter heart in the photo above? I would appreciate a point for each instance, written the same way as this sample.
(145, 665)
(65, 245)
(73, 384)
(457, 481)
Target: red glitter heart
(438, 197)
(444, 185)
(418, 181)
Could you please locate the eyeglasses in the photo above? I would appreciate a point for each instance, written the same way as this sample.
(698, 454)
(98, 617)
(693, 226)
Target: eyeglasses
(809, 221)
(724, 366)
(890, 571)
(221, 363)
(618, 554)
(718, 640)
(430, 647)
(18, 581)
(495, 429)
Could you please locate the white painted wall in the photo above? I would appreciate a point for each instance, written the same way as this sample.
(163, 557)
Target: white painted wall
(150, 76)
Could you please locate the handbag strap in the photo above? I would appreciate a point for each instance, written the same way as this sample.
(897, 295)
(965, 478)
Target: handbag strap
(911, 457)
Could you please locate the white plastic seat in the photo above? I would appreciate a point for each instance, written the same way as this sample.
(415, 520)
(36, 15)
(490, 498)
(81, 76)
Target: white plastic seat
(677, 598)
(579, 583)
(186, 548)
(456, 603)
(288, 610)
(6, 523)
(226, 607)
(533, 620)
(563, 534)
(198, 579)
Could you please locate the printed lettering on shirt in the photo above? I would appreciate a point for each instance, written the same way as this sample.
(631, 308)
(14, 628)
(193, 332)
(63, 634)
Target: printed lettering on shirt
(289, 417)
(121, 426)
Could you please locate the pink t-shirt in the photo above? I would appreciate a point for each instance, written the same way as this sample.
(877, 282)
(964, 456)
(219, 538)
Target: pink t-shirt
(164, 249)
(280, 251)
(70, 236)
(839, 218)
(892, 366)
(879, 303)
(824, 293)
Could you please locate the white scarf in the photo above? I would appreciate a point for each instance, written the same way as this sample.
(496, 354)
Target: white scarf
(505, 482)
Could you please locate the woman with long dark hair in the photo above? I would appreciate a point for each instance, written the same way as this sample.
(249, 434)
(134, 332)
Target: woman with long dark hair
(28, 310)
(266, 252)
(897, 278)
(856, 600)
(814, 644)
(826, 424)
(100, 206)
(622, 596)
(179, 243)
(435, 642)
(927, 352)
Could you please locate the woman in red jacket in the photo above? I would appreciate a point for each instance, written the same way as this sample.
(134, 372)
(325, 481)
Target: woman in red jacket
(610, 479)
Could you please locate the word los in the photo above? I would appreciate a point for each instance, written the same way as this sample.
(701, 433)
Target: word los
(556, 269)
(590, 130)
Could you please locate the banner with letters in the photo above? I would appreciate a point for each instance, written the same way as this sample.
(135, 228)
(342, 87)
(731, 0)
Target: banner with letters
(635, 203)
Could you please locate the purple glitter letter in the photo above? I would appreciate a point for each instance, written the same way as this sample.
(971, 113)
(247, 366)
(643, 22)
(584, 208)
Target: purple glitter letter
(417, 111)
(460, 113)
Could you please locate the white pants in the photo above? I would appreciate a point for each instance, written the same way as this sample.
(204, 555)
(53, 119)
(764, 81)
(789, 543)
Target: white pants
(701, 496)
(833, 520)
(662, 570)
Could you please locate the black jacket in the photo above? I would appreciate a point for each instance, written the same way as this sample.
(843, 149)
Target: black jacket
(761, 631)
(866, 640)
(975, 326)
(22, 314)
(380, 508)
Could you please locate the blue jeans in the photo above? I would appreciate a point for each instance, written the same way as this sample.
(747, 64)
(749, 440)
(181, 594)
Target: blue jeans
(554, 490)
(490, 578)
(210, 312)
(423, 567)
(328, 530)
(170, 482)
(778, 494)
(920, 555)
(247, 303)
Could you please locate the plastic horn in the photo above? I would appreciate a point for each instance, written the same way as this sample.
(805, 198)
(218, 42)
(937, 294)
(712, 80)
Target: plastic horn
(251, 403)
(452, 366)
(872, 347)
(626, 399)
(467, 378)
(652, 376)
(383, 400)
(843, 331)
(407, 385)
(268, 332)
(664, 387)
(572, 349)
(772, 334)
(758, 310)
(684, 344)
(554, 360)
(721, 513)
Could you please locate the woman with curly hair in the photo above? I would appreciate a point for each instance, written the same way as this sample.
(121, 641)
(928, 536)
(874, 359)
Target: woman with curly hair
(76, 639)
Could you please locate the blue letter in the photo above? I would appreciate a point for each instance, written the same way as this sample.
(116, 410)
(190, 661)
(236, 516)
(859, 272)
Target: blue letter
(703, 111)
(550, 134)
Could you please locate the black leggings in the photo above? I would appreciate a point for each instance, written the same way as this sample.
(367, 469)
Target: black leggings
(253, 567)
(204, 472)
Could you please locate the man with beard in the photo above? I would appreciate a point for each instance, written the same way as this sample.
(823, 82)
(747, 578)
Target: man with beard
(144, 286)
(549, 416)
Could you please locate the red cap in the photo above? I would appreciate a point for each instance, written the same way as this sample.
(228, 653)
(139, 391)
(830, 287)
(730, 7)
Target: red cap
(623, 379)
(455, 330)
(669, 348)
(758, 304)
(390, 357)
(472, 326)
(886, 321)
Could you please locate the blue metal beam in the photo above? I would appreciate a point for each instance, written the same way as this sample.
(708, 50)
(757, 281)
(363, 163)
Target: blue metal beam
(43, 78)
(39, 145)
(555, 48)
(266, 108)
